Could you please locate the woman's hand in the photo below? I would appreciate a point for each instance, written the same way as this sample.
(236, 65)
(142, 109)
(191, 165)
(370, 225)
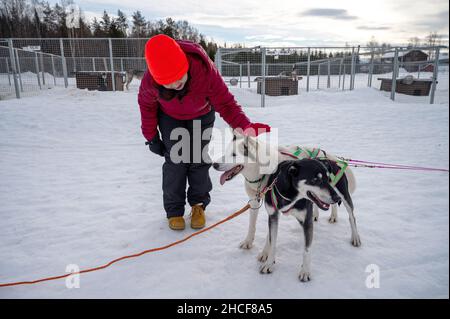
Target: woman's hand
(254, 129)
(156, 145)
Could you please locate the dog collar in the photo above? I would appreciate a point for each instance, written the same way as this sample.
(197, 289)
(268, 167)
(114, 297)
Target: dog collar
(256, 181)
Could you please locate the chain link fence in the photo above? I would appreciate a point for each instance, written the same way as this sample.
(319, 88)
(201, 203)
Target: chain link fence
(281, 71)
(30, 65)
(100, 64)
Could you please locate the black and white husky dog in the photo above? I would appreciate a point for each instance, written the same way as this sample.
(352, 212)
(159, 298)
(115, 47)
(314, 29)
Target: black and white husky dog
(295, 187)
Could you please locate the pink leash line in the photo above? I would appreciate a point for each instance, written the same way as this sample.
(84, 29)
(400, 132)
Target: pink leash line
(394, 166)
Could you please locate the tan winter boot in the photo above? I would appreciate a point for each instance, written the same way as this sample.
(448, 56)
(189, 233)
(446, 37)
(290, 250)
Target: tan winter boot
(198, 219)
(177, 223)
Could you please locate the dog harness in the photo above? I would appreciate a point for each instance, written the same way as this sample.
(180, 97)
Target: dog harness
(273, 197)
(304, 153)
(299, 153)
(272, 188)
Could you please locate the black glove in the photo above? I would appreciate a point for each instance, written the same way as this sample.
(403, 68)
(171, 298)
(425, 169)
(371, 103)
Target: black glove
(156, 145)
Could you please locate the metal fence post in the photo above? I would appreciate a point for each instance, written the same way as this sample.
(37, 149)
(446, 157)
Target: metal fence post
(369, 80)
(111, 61)
(308, 69)
(13, 67)
(93, 64)
(7, 71)
(263, 71)
(318, 75)
(64, 62)
(352, 69)
(41, 60)
(355, 67)
(394, 75)
(435, 75)
(37, 69)
(121, 65)
(240, 75)
(53, 70)
(19, 72)
(340, 73)
(343, 76)
(219, 60)
(248, 73)
(329, 71)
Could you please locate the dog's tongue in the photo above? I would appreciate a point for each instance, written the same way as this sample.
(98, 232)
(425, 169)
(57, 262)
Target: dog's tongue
(224, 176)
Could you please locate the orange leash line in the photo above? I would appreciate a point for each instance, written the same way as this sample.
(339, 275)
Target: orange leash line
(239, 212)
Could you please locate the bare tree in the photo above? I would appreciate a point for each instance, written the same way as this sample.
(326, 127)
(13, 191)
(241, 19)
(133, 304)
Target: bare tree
(431, 41)
(413, 42)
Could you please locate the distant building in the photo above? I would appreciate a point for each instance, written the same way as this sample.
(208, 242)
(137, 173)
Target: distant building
(429, 67)
(408, 59)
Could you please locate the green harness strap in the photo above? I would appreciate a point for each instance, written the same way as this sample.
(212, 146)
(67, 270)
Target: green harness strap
(313, 154)
(335, 178)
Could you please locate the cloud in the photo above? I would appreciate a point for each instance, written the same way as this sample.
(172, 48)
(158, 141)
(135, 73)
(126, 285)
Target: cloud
(421, 24)
(372, 28)
(266, 37)
(434, 22)
(338, 14)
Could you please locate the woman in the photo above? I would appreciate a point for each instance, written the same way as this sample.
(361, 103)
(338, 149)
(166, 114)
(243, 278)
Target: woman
(183, 85)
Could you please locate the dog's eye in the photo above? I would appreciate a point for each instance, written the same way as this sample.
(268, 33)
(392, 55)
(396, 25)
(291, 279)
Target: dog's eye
(234, 154)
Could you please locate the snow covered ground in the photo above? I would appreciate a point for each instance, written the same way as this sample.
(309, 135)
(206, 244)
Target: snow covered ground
(78, 186)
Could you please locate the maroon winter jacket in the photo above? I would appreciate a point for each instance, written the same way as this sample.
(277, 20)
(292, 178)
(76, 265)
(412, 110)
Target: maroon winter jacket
(206, 89)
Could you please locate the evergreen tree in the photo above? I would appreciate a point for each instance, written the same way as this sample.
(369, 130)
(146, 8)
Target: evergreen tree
(61, 15)
(105, 23)
(122, 24)
(96, 29)
(40, 19)
(138, 30)
(170, 29)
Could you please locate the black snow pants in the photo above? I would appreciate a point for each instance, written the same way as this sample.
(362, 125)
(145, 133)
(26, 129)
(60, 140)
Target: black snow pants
(194, 169)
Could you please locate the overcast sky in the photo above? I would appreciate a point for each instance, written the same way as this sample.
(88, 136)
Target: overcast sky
(290, 22)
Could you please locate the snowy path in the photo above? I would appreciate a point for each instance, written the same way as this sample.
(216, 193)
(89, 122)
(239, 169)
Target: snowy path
(77, 186)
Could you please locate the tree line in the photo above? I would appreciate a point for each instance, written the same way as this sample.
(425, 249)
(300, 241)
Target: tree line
(39, 19)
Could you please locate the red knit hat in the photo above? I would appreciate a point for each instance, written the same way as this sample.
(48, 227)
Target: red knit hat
(166, 60)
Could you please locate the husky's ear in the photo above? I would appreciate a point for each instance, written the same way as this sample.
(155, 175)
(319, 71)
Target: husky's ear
(237, 133)
(251, 142)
